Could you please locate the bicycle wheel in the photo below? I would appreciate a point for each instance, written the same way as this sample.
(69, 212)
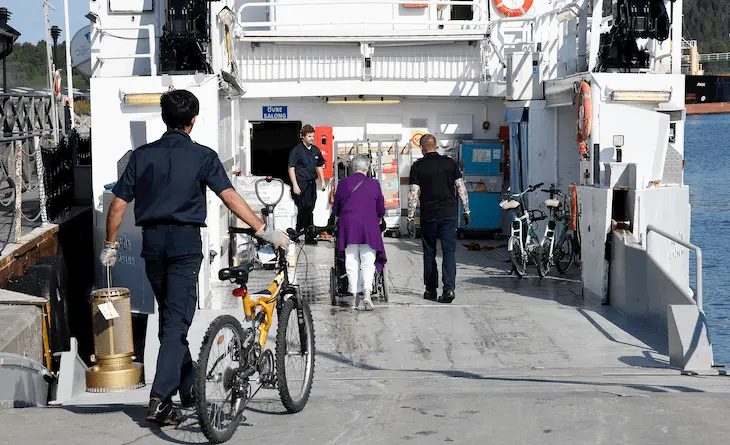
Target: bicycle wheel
(564, 254)
(519, 261)
(543, 259)
(221, 356)
(385, 291)
(294, 355)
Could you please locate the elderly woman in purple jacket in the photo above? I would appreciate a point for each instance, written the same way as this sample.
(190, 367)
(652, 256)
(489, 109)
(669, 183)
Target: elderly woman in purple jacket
(360, 205)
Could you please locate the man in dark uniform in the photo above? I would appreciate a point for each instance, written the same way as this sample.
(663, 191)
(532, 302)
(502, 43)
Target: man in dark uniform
(306, 164)
(167, 180)
(438, 181)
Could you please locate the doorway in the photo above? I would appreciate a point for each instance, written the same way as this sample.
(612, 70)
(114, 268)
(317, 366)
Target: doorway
(271, 142)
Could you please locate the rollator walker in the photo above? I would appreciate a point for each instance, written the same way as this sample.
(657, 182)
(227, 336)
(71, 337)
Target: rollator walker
(339, 282)
(338, 274)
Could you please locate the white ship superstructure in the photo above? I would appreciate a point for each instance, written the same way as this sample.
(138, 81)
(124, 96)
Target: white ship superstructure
(389, 70)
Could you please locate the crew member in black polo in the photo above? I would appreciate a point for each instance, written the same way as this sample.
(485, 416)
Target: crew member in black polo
(306, 164)
(167, 179)
(438, 181)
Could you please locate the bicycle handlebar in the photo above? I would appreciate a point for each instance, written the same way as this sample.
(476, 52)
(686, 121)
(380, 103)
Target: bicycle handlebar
(553, 191)
(269, 179)
(529, 189)
(293, 234)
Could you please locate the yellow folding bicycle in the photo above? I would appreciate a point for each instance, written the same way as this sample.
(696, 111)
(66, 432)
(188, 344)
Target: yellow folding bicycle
(230, 356)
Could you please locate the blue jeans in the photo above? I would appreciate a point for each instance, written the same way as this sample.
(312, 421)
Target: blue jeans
(445, 230)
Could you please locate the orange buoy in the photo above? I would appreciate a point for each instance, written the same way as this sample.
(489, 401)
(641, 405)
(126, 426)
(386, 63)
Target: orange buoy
(573, 207)
(584, 110)
(57, 84)
(582, 146)
(513, 12)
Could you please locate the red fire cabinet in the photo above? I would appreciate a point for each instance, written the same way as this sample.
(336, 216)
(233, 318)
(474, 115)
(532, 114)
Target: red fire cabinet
(324, 140)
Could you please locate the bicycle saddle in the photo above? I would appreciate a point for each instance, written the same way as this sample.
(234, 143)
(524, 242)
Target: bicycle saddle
(554, 203)
(238, 273)
(511, 204)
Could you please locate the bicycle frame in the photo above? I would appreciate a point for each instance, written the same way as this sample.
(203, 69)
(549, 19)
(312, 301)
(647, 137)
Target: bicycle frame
(267, 305)
(556, 214)
(269, 300)
(522, 217)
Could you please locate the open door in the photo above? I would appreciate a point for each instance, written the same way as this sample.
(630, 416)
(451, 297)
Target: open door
(271, 142)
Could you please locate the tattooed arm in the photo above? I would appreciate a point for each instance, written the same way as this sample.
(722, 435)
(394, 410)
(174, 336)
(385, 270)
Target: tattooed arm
(463, 195)
(413, 200)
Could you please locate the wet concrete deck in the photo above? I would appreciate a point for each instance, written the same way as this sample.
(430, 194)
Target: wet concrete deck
(511, 361)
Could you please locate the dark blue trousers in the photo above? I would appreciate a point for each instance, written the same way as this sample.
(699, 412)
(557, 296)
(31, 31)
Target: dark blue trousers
(173, 255)
(445, 230)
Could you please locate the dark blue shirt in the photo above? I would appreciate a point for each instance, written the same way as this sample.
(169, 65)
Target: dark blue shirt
(167, 180)
(305, 162)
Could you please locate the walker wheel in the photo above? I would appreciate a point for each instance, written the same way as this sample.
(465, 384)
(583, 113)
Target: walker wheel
(333, 287)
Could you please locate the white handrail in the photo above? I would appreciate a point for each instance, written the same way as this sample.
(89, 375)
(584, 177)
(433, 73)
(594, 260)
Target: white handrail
(714, 56)
(479, 18)
(698, 255)
(153, 48)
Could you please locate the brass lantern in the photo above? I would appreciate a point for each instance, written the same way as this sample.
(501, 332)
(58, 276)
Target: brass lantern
(115, 369)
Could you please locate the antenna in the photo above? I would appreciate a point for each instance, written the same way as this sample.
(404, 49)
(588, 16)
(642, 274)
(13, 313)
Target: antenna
(81, 51)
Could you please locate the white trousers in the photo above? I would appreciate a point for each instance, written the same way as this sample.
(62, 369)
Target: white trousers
(360, 267)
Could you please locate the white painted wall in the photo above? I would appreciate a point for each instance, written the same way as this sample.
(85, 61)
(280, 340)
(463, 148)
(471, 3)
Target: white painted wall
(595, 225)
(350, 122)
(358, 122)
(567, 151)
(542, 158)
(666, 208)
(645, 131)
(112, 139)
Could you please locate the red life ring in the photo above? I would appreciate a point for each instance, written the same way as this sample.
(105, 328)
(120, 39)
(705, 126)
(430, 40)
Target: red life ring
(57, 84)
(573, 223)
(513, 12)
(584, 110)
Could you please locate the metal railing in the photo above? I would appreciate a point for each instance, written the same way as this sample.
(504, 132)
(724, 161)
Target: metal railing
(690, 246)
(152, 56)
(479, 20)
(24, 116)
(687, 44)
(716, 57)
(26, 140)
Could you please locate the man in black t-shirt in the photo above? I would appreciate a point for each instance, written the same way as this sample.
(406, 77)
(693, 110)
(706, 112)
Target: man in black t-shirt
(438, 181)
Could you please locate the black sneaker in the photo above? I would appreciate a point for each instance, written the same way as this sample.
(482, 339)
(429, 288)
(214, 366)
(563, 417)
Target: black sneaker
(447, 297)
(430, 295)
(163, 413)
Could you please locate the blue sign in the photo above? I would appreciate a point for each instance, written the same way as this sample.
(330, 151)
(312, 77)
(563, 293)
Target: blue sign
(275, 112)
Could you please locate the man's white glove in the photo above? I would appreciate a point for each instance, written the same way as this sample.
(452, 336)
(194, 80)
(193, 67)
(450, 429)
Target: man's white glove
(275, 237)
(108, 256)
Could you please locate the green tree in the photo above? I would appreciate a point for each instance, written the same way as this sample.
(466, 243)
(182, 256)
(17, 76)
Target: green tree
(27, 67)
(708, 22)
